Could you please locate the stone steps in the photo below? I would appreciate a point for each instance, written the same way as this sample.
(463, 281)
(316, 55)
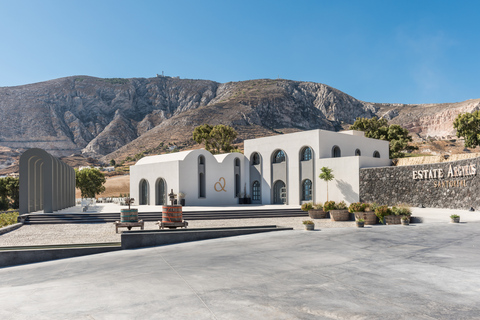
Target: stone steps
(59, 218)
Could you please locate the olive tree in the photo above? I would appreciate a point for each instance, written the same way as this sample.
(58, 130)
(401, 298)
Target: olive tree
(468, 127)
(217, 138)
(90, 181)
(398, 137)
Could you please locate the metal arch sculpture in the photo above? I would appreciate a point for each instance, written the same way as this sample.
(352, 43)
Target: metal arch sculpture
(46, 183)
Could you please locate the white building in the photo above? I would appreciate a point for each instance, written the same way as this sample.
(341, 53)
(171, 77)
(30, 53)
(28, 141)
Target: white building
(281, 169)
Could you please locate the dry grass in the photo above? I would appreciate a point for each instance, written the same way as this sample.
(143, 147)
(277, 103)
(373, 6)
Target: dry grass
(114, 187)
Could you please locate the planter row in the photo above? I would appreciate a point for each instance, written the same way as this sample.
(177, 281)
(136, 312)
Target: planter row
(343, 215)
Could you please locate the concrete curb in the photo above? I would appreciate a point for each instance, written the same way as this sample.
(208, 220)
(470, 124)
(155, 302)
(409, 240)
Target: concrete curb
(10, 258)
(10, 227)
(152, 238)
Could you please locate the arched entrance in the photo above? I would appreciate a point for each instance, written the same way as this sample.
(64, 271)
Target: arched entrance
(143, 194)
(279, 192)
(160, 192)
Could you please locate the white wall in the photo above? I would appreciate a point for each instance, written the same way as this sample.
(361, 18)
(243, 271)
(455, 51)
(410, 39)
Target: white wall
(214, 171)
(291, 144)
(151, 172)
(322, 143)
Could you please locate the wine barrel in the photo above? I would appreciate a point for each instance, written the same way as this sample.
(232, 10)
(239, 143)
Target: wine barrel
(172, 214)
(129, 215)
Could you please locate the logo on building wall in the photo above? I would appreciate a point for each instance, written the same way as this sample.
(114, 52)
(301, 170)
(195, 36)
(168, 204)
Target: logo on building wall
(220, 185)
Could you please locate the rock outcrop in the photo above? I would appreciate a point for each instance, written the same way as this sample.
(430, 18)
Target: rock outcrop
(112, 117)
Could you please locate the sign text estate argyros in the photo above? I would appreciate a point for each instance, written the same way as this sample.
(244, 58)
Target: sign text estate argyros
(452, 172)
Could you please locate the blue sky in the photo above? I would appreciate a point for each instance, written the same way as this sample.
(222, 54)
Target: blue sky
(379, 51)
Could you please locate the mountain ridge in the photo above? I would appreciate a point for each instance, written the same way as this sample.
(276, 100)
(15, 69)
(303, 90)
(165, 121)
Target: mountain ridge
(113, 117)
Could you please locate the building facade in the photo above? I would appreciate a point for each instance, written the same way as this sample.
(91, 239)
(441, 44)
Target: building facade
(281, 169)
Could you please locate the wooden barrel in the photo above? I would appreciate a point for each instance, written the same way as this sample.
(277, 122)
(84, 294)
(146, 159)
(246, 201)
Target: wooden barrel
(129, 215)
(339, 215)
(172, 214)
(369, 217)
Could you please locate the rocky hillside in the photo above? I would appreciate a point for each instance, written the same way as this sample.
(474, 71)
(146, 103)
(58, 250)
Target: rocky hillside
(113, 118)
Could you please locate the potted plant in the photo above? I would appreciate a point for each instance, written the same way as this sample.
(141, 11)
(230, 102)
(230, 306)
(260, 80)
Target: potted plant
(327, 206)
(247, 199)
(307, 206)
(340, 212)
(309, 224)
(455, 218)
(317, 212)
(397, 213)
(181, 198)
(381, 212)
(405, 220)
(129, 215)
(241, 199)
(360, 222)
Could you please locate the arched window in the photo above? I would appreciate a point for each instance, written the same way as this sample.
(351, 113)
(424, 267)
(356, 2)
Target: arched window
(161, 192)
(307, 190)
(255, 159)
(201, 185)
(376, 154)
(201, 177)
(336, 153)
(256, 190)
(279, 156)
(358, 153)
(306, 154)
(143, 192)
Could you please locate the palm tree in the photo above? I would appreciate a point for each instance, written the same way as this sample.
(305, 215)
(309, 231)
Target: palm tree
(326, 176)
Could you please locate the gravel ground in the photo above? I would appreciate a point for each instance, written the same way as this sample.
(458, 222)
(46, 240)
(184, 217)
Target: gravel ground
(41, 234)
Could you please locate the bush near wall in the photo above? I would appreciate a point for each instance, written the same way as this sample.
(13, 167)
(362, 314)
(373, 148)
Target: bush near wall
(8, 218)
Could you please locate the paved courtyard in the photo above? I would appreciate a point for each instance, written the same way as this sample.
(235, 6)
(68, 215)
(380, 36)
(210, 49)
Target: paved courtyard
(424, 271)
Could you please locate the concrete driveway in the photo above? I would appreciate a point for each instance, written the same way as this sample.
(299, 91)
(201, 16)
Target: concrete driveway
(425, 271)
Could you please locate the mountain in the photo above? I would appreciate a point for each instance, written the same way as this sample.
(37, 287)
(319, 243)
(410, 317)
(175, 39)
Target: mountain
(113, 118)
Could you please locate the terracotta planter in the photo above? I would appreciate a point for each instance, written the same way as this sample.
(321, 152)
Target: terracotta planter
(392, 219)
(317, 214)
(309, 227)
(339, 215)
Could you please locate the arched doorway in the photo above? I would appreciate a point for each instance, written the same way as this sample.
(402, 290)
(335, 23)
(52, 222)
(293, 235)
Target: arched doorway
(143, 192)
(279, 192)
(161, 192)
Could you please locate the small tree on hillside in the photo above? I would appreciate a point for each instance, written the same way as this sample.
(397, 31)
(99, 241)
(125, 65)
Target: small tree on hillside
(90, 181)
(217, 138)
(468, 127)
(326, 175)
(379, 129)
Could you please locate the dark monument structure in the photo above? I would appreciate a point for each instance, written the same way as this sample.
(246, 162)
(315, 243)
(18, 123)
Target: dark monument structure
(46, 183)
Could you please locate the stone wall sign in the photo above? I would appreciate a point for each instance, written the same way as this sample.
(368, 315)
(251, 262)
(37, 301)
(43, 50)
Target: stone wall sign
(442, 185)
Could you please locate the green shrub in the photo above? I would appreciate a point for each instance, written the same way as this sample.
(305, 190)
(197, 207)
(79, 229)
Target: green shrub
(308, 222)
(329, 205)
(374, 206)
(318, 206)
(357, 207)
(307, 206)
(454, 216)
(341, 206)
(8, 218)
(402, 210)
(382, 211)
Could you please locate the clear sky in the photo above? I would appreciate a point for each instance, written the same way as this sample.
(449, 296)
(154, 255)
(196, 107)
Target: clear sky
(380, 51)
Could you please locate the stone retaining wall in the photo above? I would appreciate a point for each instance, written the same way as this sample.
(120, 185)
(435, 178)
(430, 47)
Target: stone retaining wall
(440, 188)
